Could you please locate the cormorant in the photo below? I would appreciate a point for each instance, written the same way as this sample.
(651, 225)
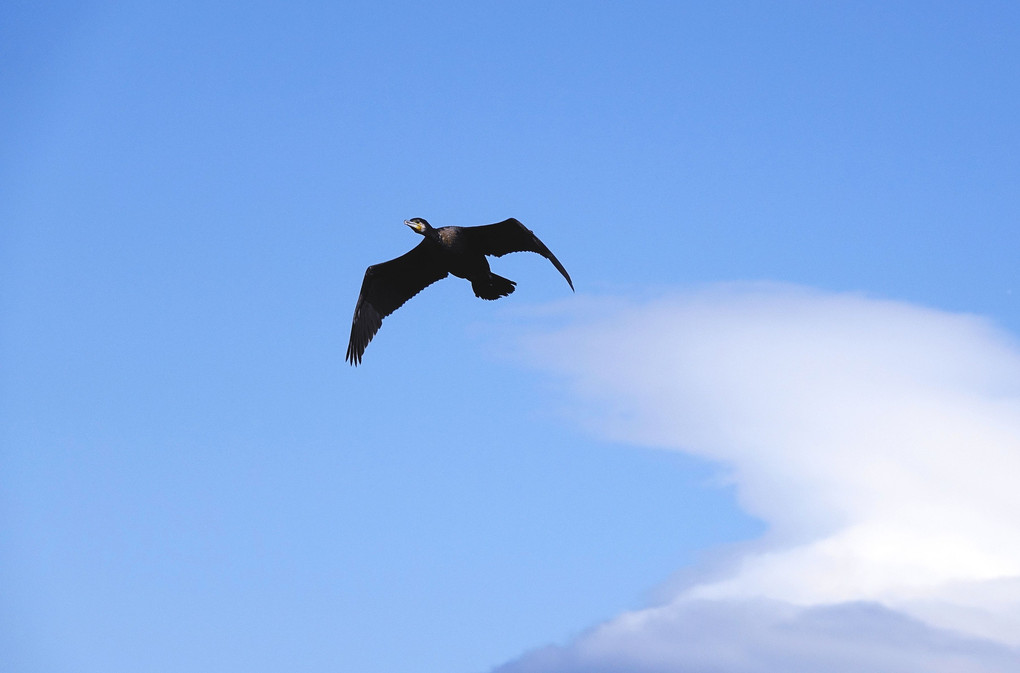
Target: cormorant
(457, 250)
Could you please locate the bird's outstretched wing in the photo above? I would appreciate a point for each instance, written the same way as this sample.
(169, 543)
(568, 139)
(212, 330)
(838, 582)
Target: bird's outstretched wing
(385, 289)
(510, 236)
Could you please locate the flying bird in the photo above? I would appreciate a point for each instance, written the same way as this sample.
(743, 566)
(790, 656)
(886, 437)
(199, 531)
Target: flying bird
(457, 250)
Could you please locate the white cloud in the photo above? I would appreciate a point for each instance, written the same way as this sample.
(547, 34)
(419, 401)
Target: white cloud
(879, 441)
(769, 637)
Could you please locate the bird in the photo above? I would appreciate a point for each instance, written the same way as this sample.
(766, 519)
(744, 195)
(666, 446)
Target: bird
(459, 251)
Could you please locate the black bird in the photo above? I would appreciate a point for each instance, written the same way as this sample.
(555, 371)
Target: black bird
(457, 250)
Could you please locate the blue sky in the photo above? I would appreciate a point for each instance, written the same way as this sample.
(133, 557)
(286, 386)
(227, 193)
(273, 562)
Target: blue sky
(194, 479)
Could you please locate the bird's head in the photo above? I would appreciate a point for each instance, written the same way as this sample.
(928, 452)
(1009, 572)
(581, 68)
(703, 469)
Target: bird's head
(419, 224)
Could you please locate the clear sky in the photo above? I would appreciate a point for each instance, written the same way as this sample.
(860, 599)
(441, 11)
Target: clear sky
(784, 401)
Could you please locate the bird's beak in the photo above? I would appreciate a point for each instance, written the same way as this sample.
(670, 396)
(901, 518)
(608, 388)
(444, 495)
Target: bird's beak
(414, 225)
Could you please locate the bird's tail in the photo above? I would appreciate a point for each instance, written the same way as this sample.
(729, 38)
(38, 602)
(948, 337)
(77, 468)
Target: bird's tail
(492, 287)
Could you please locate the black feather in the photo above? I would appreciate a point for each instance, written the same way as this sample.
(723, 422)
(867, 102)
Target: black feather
(457, 250)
